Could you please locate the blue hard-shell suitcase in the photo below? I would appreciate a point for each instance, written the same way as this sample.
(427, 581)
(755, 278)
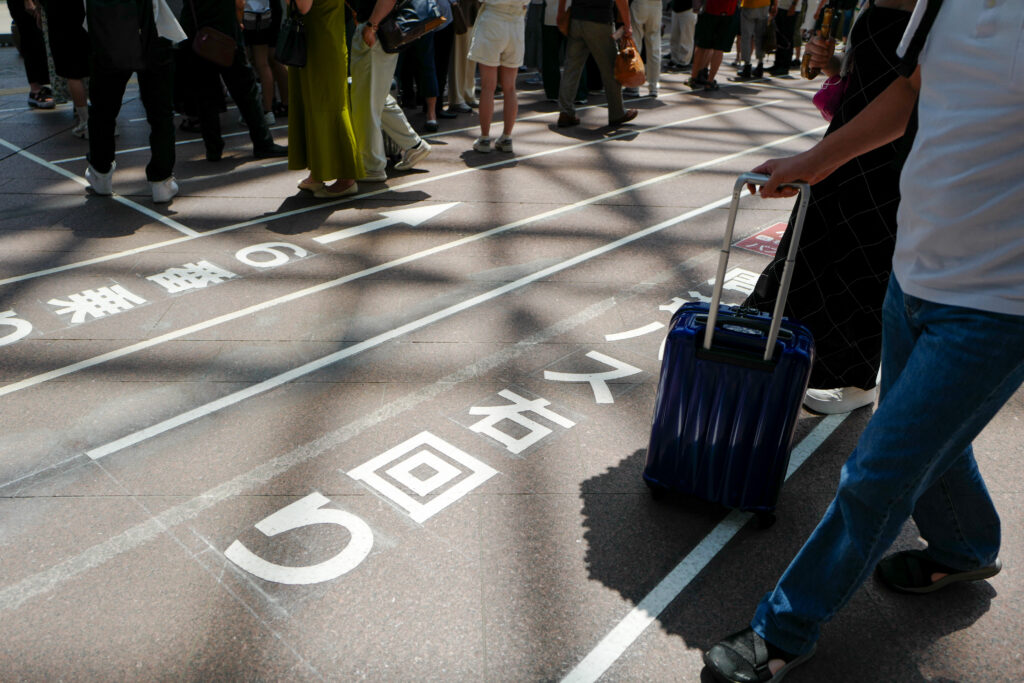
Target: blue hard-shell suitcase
(728, 402)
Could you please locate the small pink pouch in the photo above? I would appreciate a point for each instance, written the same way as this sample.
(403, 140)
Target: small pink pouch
(827, 99)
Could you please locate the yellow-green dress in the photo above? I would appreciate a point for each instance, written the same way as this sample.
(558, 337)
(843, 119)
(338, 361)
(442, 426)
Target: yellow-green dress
(320, 134)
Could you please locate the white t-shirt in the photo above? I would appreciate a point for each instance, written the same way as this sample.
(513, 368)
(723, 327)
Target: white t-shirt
(961, 218)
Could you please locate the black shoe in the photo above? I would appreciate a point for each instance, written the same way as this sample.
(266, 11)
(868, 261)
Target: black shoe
(215, 152)
(778, 71)
(446, 114)
(745, 74)
(910, 571)
(567, 120)
(743, 658)
(270, 151)
(758, 71)
(280, 110)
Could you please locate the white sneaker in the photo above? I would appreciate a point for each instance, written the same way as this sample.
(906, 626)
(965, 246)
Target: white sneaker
(164, 190)
(482, 144)
(269, 119)
(101, 183)
(81, 128)
(504, 143)
(413, 155)
(834, 401)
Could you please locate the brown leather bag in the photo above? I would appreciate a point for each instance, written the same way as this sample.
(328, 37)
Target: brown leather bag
(215, 46)
(629, 68)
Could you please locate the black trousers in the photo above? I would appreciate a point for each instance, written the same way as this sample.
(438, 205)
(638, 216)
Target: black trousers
(205, 77)
(33, 49)
(785, 27)
(552, 54)
(156, 90)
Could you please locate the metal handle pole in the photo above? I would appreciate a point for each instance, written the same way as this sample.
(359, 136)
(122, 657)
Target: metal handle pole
(787, 271)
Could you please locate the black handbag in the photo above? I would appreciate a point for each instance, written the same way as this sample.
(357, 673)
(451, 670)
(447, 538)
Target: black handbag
(411, 19)
(291, 42)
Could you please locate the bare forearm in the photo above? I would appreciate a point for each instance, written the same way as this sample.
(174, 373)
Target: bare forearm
(381, 10)
(882, 121)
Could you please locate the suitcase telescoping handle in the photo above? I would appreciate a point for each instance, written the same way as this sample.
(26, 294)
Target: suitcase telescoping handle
(787, 271)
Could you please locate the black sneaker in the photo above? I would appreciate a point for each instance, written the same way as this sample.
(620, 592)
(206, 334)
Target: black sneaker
(758, 71)
(743, 658)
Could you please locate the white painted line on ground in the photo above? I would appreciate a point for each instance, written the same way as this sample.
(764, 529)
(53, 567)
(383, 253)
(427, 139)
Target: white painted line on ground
(413, 217)
(171, 223)
(512, 160)
(176, 144)
(170, 336)
(375, 341)
(14, 595)
(394, 188)
(638, 332)
(625, 633)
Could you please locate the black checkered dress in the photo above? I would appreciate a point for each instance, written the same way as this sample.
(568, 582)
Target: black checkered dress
(845, 254)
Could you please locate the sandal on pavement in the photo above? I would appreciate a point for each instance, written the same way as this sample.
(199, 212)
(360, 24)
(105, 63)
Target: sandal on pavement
(711, 85)
(310, 184)
(910, 571)
(743, 658)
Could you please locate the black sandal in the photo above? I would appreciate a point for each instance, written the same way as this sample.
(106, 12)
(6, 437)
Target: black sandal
(910, 571)
(743, 658)
(711, 85)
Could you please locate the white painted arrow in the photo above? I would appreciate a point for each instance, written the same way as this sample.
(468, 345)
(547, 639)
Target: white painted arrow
(413, 216)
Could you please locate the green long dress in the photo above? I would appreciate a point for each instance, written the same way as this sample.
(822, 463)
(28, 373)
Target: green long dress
(320, 135)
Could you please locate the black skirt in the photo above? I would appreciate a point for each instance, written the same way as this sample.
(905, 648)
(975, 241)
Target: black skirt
(845, 253)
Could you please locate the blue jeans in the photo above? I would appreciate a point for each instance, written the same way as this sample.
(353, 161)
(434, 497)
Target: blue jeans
(946, 371)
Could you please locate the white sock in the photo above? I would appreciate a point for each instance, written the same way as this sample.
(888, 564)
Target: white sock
(83, 113)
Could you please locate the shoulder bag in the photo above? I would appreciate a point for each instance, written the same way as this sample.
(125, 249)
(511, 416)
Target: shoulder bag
(411, 19)
(291, 42)
(211, 44)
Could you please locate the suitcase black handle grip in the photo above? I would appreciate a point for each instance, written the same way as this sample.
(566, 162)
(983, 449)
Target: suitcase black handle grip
(787, 271)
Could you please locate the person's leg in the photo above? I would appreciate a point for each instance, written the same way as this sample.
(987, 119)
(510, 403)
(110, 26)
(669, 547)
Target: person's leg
(107, 89)
(241, 83)
(488, 79)
(760, 27)
(156, 90)
(204, 81)
(510, 100)
(747, 28)
(576, 53)
(602, 47)
(913, 443)
(33, 47)
(261, 64)
(689, 23)
(651, 28)
(550, 60)
(714, 64)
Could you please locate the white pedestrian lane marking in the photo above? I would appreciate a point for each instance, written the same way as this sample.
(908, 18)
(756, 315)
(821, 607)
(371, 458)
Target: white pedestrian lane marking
(97, 303)
(22, 328)
(598, 380)
(513, 412)
(625, 633)
(413, 216)
(739, 280)
(441, 461)
(347, 352)
(304, 512)
(277, 251)
(638, 332)
(190, 276)
(672, 306)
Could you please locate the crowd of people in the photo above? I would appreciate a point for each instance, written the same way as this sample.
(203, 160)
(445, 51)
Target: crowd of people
(346, 110)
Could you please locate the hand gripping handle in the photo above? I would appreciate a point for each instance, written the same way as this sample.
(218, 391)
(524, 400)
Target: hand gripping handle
(787, 271)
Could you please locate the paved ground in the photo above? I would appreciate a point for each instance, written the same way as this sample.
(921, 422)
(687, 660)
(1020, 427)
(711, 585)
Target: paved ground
(254, 435)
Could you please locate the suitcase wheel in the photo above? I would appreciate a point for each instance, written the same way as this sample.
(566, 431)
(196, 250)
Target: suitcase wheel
(764, 520)
(657, 492)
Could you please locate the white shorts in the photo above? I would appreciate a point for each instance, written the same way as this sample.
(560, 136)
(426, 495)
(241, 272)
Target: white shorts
(499, 36)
